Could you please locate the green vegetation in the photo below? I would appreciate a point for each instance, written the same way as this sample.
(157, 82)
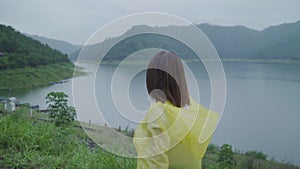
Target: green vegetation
(143, 41)
(32, 77)
(256, 154)
(26, 63)
(239, 160)
(276, 42)
(231, 42)
(62, 46)
(28, 142)
(59, 112)
(20, 51)
(226, 156)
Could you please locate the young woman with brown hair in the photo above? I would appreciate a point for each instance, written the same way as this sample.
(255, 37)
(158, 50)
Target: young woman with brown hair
(176, 130)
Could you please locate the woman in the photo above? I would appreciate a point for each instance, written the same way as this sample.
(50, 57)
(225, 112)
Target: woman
(176, 130)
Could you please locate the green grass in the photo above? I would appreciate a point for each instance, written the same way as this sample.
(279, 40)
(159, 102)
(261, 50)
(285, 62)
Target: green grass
(30, 143)
(39, 76)
(241, 161)
(27, 142)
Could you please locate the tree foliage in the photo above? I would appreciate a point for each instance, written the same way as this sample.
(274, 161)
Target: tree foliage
(226, 156)
(59, 112)
(148, 40)
(21, 51)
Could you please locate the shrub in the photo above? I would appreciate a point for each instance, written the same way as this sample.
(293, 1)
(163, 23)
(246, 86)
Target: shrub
(226, 155)
(59, 112)
(212, 148)
(257, 155)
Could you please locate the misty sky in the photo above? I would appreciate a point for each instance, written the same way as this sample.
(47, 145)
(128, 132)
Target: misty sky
(76, 20)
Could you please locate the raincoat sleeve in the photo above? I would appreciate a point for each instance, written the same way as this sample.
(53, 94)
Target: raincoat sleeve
(151, 149)
(209, 127)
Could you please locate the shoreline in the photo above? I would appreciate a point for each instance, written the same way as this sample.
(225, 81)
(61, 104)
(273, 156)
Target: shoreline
(41, 76)
(223, 60)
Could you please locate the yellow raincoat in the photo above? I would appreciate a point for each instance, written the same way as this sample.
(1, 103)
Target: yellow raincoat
(170, 137)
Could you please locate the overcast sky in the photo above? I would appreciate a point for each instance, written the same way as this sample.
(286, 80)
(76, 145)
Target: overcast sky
(76, 20)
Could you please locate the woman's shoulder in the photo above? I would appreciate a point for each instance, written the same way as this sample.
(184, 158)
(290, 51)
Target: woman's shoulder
(209, 120)
(201, 109)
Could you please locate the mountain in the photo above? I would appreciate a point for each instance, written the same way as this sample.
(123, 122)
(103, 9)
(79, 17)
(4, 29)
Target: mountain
(132, 43)
(275, 42)
(282, 41)
(232, 41)
(18, 51)
(64, 47)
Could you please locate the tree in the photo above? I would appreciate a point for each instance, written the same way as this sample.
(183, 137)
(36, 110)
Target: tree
(226, 155)
(21, 51)
(59, 112)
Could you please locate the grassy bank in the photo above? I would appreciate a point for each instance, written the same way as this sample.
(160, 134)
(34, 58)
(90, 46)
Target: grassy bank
(242, 161)
(27, 142)
(30, 143)
(32, 77)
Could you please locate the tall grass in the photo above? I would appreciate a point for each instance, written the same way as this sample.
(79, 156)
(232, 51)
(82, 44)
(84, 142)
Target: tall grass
(26, 142)
(29, 143)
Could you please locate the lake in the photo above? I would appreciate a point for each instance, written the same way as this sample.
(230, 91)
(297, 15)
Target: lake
(262, 109)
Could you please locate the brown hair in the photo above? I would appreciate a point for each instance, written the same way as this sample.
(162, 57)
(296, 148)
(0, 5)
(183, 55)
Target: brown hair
(166, 80)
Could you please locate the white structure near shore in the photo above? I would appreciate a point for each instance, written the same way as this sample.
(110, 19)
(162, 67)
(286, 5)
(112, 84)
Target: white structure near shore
(10, 104)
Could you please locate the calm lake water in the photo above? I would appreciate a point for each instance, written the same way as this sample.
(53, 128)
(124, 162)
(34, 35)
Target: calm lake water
(262, 110)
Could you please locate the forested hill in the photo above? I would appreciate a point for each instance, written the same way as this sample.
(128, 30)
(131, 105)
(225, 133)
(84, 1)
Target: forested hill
(18, 51)
(238, 42)
(275, 42)
(64, 47)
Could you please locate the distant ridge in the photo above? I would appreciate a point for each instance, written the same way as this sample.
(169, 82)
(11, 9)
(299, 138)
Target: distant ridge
(275, 42)
(280, 41)
(63, 46)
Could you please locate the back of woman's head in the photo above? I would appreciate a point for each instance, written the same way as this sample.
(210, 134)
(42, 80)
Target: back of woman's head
(166, 79)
